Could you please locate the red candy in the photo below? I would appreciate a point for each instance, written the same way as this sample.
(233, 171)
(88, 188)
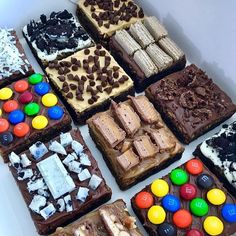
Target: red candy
(194, 232)
(10, 106)
(188, 191)
(21, 129)
(21, 85)
(144, 200)
(194, 167)
(4, 125)
(182, 219)
(26, 97)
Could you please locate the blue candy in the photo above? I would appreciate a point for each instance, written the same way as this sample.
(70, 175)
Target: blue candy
(42, 88)
(228, 212)
(55, 113)
(16, 117)
(171, 203)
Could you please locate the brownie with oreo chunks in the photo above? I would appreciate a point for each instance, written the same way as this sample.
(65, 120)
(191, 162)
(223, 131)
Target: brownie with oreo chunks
(87, 80)
(59, 180)
(102, 18)
(146, 52)
(29, 110)
(189, 201)
(219, 154)
(134, 140)
(55, 37)
(14, 64)
(191, 102)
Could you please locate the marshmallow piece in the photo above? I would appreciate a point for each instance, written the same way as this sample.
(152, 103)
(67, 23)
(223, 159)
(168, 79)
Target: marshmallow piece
(68, 159)
(85, 174)
(38, 150)
(57, 147)
(74, 166)
(25, 174)
(77, 147)
(35, 185)
(61, 205)
(15, 160)
(84, 160)
(82, 194)
(25, 162)
(43, 192)
(65, 139)
(94, 182)
(48, 211)
(37, 203)
(68, 202)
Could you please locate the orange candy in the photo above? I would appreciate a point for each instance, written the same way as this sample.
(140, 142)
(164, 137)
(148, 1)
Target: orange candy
(194, 167)
(182, 219)
(21, 129)
(4, 125)
(21, 85)
(144, 200)
(10, 106)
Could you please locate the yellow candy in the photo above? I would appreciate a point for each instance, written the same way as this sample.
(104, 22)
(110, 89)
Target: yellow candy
(156, 215)
(216, 196)
(213, 225)
(160, 187)
(49, 100)
(5, 93)
(39, 122)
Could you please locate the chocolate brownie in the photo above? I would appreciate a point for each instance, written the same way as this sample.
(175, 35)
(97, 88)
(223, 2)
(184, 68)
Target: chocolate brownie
(55, 37)
(146, 52)
(191, 102)
(87, 80)
(134, 140)
(59, 180)
(29, 111)
(13, 62)
(189, 201)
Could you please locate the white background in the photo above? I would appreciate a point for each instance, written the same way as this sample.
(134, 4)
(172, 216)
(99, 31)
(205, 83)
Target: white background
(204, 29)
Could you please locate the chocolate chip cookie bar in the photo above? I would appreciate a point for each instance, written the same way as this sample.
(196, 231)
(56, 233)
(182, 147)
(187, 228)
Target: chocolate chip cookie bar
(59, 180)
(191, 102)
(134, 140)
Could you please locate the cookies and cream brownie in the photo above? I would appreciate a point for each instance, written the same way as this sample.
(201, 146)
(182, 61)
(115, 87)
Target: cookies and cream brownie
(146, 52)
(29, 110)
(134, 140)
(56, 36)
(190, 201)
(191, 102)
(87, 80)
(59, 180)
(13, 62)
(102, 18)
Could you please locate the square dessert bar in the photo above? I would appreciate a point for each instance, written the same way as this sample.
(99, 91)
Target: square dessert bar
(219, 154)
(59, 180)
(109, 220)
(134, 140)
(189, 201)
(13, 62)
(191, 102)
(55, 37)
(102, 18)
(87, 80)
(146, 52)
(29, 111)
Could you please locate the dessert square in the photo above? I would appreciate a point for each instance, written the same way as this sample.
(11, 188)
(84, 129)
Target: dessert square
(146, 52)
(191, 102)
(102, 18)
(29, 110)
(55, 37)
(87, 80)
(13, 62)
(59, 180)
(189, 201)
(134, 140)
(219, 154)
(111, 219)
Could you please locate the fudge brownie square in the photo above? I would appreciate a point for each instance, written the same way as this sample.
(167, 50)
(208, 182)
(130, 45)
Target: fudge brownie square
(29, 110)
(13, 62)
(134, 140)
(59, 180)
(189, 201)
(191, 102)
(146, 52)
(87, 80)
(102, 18)
(55, 37)
(219, 154)
(109, 219)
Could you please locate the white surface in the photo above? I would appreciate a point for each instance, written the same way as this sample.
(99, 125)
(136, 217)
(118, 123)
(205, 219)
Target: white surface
(204, 29)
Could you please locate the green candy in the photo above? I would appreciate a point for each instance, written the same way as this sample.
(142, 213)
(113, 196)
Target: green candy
(179, 176)
(199, 207)
(31, 109)
(35, 78)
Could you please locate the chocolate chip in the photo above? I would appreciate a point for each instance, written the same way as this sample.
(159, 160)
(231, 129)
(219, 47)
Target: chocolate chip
(74, 67)
(94, 15)
(78, 63)
(125, 77)
(89, 88)
(121, 80)
(90, 76)
(61, 78)
(73, 86)
(102, 53)
(100, 23)
(111, 81)
(69, 95)
(81, 87)
(73, 60)
(85, 66)
(84, 78)
(70, 77)
(68, 63)
(90, 59)
(140, 13)
(76, 78)
(65, 89)
(89, 70)
(92, 83)
(94, 68)
(116, 84)
(92, 9)
(99, 88)
(115, 68)
(108, 90)
(90, 101)
(51, 65)
(99, 46)
(95, 98)
(66, 70)
(104, 83)
(60, 71)
(116, 74)
(97, 52)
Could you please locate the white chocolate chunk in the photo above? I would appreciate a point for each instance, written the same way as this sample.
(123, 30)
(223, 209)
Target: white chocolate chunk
(35, 185)
(75, 166)
(38, 150)
(68, 159)
(61, 205)
(84, 160)
(94, 182)
(57, 147)
(82, 194)
(68, 202)
(37, 203)
(48, 211)
(43, 193)
(77, 147)
(65, 139)
(84, 174)
(25, 174)
(25, 162)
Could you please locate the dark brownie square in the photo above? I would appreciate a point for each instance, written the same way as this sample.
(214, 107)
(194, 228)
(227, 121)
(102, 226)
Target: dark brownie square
(191, 102)
(59, 180)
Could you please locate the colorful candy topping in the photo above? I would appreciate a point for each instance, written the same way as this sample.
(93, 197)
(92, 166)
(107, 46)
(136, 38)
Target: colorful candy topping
(228, 212)
(35, 78)
(213, 225)
(216, 196)
(55, 113)
(188, 191)
(199, 207)
(26, 97)
(179, 176)
(6, 138)
(42, 88)
(32, 109)
(171, 203)
(4, 125)
(194, 232)
(10, 106)
(194, 167)
(21, 129)
(39, 122)
(49, 100)
(21, 86)
(182, 219)
(166, 229)
(144, 200)
(16, 117)
(156, 215)
(160, 188)
(5, 93)
(205, 181)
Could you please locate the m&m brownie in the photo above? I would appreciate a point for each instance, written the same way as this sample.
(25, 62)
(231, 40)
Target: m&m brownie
(55, 37)
(190, 201)
(29, 110)
(59, 180)
(87, 80)
(134, 140)
(146, 52)
(13, 62)
(190, 102)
